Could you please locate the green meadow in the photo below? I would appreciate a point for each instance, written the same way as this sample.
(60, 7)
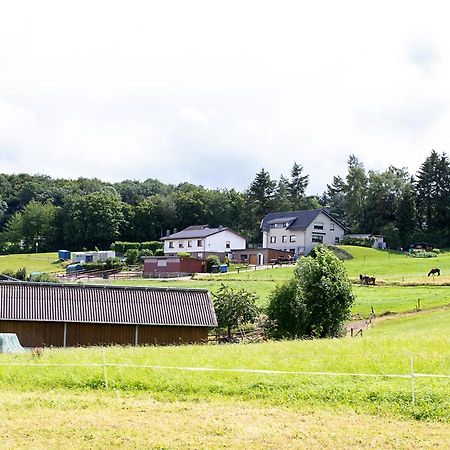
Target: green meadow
(332, 393)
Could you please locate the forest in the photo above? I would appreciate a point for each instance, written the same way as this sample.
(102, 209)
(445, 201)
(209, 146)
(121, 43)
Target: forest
(40, 213)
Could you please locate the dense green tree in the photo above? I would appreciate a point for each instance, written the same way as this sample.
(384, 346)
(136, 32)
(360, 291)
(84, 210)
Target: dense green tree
(297, 186)
(355, 195)
(433, 197)
(406, 216)
(316, 302)
(234, 308)
(93, 220)
(334, 198)
(282, 197)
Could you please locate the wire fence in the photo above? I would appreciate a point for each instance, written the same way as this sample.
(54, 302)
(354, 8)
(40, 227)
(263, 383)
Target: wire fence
(411, 375)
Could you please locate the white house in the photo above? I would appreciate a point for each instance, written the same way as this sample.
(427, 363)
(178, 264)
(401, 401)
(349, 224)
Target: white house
(299, 231)
(201, 241)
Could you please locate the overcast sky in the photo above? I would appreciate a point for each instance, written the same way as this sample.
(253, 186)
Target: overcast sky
(210, 92)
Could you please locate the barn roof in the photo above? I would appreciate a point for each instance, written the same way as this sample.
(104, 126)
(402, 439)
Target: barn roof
(54, 302)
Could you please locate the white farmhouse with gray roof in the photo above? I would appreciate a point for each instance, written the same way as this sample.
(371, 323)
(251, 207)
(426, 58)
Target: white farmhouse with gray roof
(201, 241)
(299, 231)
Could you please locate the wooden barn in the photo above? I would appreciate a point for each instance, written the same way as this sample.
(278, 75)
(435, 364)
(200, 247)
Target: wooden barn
(60, 315)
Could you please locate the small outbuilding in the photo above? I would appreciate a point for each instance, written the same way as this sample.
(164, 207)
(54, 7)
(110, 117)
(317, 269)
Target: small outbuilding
(60, 315)
(172, 266)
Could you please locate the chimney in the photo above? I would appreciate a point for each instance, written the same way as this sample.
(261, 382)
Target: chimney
(220, 227)
(167, 233)
(174, 230)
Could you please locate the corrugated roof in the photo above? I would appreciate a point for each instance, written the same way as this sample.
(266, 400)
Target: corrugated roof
(299, 220)
(53, 302)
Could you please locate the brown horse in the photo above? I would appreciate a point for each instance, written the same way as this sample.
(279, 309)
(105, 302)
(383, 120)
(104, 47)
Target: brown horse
(434, 271)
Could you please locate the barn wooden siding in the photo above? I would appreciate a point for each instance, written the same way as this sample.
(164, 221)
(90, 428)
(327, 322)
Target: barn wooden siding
(46, 334)
(69, 315)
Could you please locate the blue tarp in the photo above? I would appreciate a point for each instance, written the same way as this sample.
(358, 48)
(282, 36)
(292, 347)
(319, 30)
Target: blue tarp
(9, 343)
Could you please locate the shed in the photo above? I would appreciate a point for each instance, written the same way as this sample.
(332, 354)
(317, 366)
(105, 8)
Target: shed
(172, 266)
(44, 314)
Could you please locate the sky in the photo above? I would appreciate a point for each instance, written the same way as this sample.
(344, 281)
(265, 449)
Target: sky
(210, 92)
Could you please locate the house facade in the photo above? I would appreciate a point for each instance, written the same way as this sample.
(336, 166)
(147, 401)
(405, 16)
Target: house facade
(201, 241)
(299, 231)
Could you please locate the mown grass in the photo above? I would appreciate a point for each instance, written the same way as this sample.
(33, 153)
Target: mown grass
(56, 419)
(61, 419)
(383, 350)
(33, 262)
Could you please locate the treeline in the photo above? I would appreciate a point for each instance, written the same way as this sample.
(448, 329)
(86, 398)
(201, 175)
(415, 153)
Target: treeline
(39, 212)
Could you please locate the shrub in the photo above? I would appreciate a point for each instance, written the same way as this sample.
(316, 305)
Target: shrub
(20, 274)
(159, 252)
(145, 252)
(234, 308)
(423, 254)
(184, 254)
(436, 250)
(211, 261)
(286, 312)
(44, 278)
(152, 245)
(316, 302)
(340, 253)
(132, 256)
(359, 242)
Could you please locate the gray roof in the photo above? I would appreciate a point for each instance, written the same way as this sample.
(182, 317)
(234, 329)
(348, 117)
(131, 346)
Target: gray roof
(52, 302)
(196, 231)
(297, 220)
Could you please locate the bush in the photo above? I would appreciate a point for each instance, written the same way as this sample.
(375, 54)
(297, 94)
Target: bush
(122, 247)
(152, 245)
(159, 252)
(44, 278)
(184, 254)
(20, 274)
(234, 308)
(359, 242)
(132, 256)
(211, 261)
(417, 253)
(145, 252)
(340, 253)
(286, 312)
(436, 250)
(316, 302)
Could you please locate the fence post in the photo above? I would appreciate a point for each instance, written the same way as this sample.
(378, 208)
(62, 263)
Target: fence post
(104, 369)
(413, 399)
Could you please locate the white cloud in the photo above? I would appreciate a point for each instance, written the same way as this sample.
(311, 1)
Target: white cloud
(210, 93)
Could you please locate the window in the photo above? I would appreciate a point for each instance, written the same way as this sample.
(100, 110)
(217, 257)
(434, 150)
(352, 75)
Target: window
(317, 238)
(162, 263)
(189, 243)
(273, 239)
(227, 244)
(170, 244)
(180, 245)
(292, 238)
(199, 243)
(318, 225)
(336, 240)
(283, 239)
(332, 226)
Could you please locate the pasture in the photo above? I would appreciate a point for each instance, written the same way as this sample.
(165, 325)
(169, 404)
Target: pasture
(332, 393)
(33, 262)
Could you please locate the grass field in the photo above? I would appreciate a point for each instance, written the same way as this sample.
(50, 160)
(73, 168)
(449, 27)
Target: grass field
(163, 406)
(33, 262)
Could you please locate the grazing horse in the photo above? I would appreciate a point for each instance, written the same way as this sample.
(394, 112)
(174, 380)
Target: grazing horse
(365, 279)
(434, 271)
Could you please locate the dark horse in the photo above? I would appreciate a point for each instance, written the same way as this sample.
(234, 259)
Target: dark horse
(364, 279)
(434, 271)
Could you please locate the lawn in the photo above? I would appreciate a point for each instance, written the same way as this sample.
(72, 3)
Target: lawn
(33, 262)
